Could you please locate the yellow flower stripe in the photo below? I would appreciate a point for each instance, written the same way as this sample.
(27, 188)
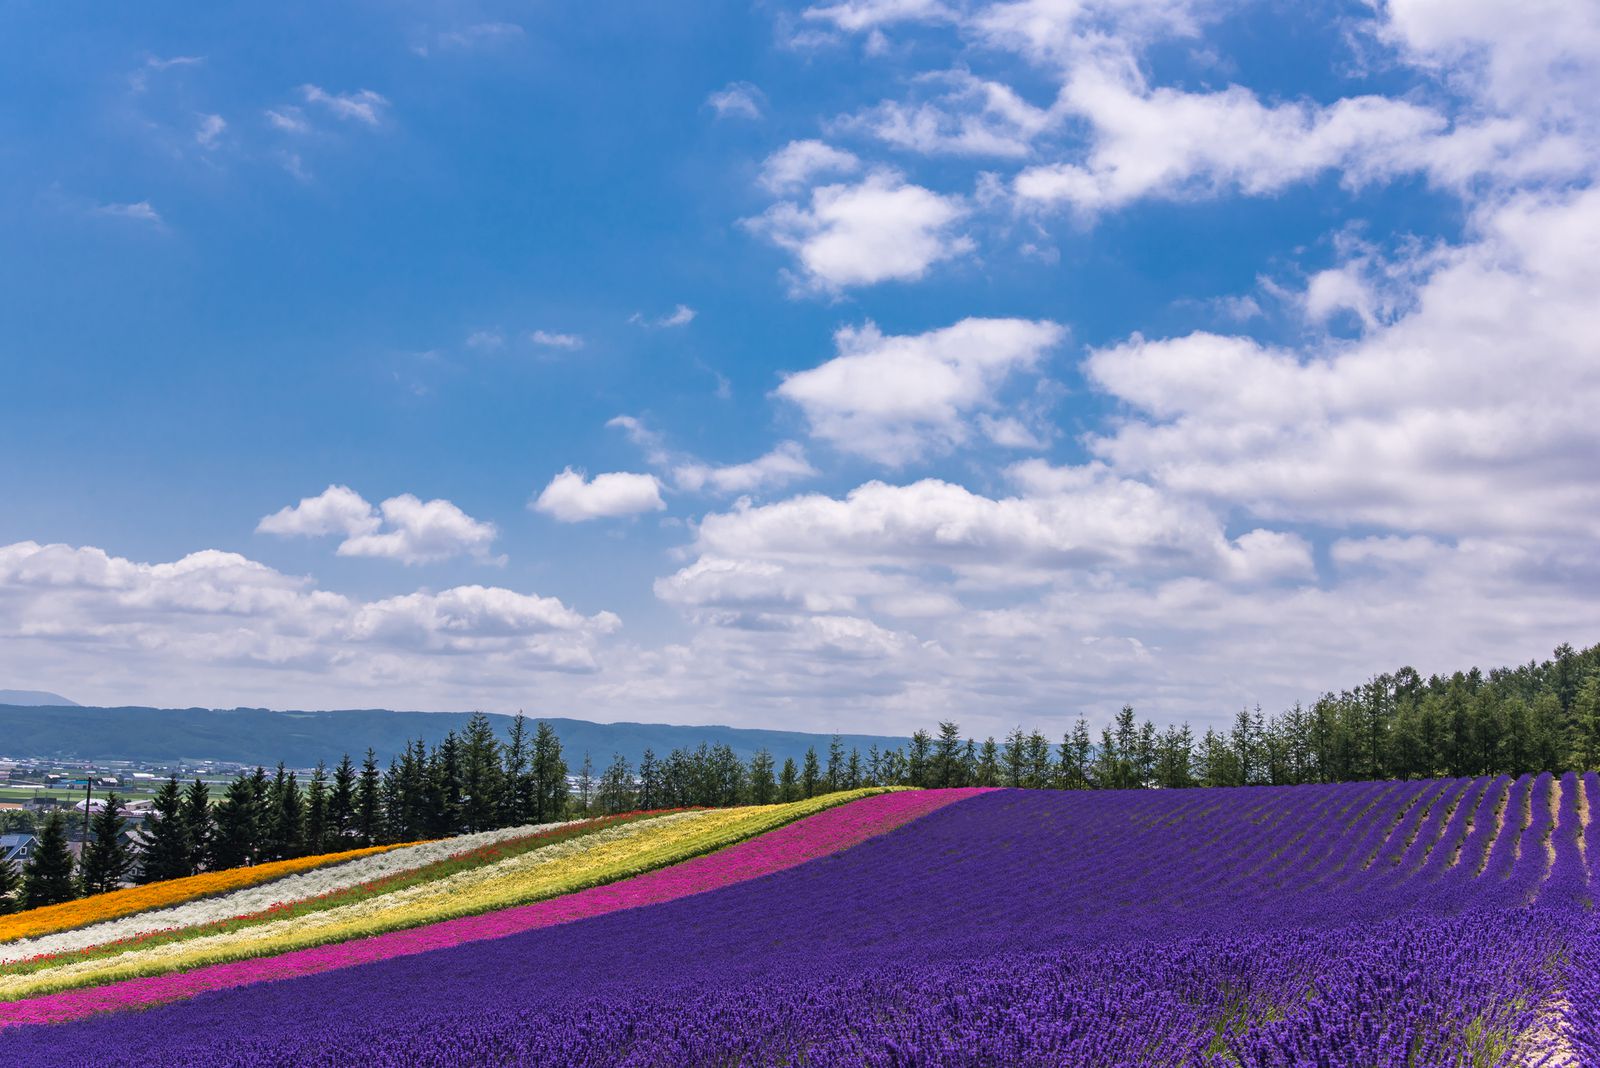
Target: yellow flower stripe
(48, 919)
(562, 868)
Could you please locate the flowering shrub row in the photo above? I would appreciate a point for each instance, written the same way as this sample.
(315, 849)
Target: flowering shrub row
(602, 857)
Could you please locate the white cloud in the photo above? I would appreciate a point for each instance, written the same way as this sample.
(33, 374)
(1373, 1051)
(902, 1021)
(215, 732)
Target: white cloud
(571, 498)
(478, 35)
(139, 80)
(485, 339)
(556, 341)
(1470, 412)
(336, 510)
(363, 106)
(209, 130)
(289, 120)
(410, 530)
(856, 15)
(895, 399)
(794, 165)
(739, 100)
(682, 315)
(784, 464)
(139, 211)
(235, 630)
(880, 229)
(972, 117)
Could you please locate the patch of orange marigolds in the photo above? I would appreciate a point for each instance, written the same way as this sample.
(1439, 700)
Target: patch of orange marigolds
(119, 903)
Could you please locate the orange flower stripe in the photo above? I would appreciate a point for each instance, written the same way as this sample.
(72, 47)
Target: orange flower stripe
(119, 903)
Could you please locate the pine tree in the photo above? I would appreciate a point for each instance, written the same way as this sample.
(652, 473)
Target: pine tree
(106, 857)
(989, 763)
(763, 785)
(482, 782)
(1014, 757)
(835, 764)
(516, 797)
(852, 770)
(585, 785)
(342, 801)
(368, 814)
(197, 824)
(549, 775)
(811, 775)
(289, 819)
(917, 761)
(47, 876)
(236, 840)
(616, 786)
(649, 781)
(787, 788)
(317, 812)
(945, 766)
(164, 851)
(10, 887)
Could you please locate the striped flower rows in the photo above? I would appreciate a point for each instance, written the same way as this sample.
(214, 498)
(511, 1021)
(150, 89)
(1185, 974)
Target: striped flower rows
(135, 899)
(319, 881)
(818, 835)
(563, 867)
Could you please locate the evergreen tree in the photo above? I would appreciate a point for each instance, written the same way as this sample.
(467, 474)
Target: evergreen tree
(289, 817)
(10, 887)
(763, 784)
(342, 801)
(835, 764)
(482, 782)
(945, 769)
(47, 876)
(317, 832)
(516, 795)
(549, 775)
(649, 781)
(989, 764)
(106, 857)
(852, 770)
(585, 785)
(369, 815)
(1014, 757)
(235, 841)
(616, 786)
(164, 849)
(788, 789)
(918, 759)
(197, 824)
(811, 776)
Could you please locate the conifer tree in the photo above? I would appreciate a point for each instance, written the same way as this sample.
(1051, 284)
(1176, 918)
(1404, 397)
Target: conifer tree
(47, 876)
(10, 887)
(988, 764)
(342, 800)
(549, 775)
(288, 818)
(810, 774)
(516, 798)
(585, 785)
(316, 823)
(649, 781)
(106, 857)
(368, 813)
(236, 839)
(481, 777)
(616, 786)
(763, 784)
(197, 824)
(164, 851)
(918, 759)
(835, 764)
(788, 789)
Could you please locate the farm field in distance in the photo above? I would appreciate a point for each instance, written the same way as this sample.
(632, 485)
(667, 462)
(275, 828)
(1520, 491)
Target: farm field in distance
(1424, 922)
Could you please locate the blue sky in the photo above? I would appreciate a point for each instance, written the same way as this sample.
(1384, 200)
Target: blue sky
(845, 366)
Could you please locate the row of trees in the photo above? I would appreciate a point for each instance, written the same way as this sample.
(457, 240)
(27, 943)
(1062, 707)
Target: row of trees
(1540, 716)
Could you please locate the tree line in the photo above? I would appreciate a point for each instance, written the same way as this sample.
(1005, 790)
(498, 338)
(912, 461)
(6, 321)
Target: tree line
(1542, 716)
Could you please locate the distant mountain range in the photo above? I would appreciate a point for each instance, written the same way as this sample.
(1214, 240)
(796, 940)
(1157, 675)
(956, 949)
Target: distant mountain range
(260, 736)
(35, 697)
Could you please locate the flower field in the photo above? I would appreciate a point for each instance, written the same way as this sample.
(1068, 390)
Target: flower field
(1445, 922)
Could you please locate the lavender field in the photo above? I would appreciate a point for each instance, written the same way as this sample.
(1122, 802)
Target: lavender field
(1444, 922)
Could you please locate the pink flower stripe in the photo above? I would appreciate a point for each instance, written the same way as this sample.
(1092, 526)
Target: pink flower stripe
(815, 836)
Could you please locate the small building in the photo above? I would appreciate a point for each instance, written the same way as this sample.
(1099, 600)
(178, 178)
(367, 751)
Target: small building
(17, 848)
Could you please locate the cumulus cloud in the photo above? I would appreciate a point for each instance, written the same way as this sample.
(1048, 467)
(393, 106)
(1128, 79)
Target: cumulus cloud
(572, 498)
(856, 15)
(408, 530)
(895, 399)
(363, 105)
(784, 464)
(236, 628)
(972, 116)
(794, 165)
(556, 341)
(876, 230)
(739, 100)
